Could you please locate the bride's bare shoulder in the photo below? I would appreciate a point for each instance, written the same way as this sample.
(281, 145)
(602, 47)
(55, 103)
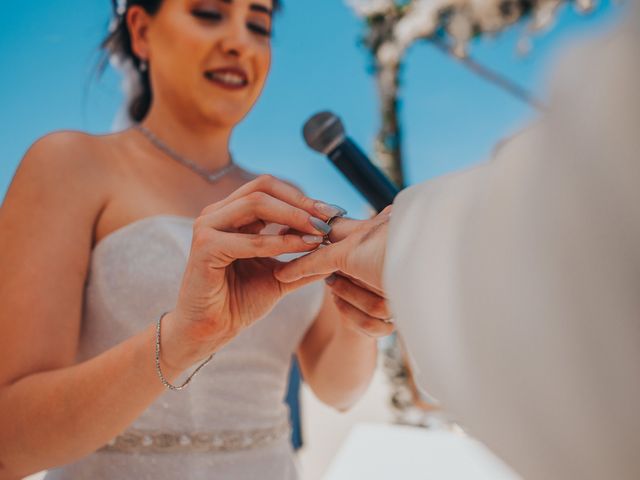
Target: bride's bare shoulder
(72, 146)
(77, 154)
(64, 163)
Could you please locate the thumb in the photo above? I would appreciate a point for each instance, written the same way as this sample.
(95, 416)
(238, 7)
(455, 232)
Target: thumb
(287, 288)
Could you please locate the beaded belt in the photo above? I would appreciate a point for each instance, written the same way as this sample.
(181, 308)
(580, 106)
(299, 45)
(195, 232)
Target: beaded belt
(150, 441)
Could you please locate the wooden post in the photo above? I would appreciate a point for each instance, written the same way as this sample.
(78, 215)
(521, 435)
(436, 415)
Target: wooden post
(388, 142)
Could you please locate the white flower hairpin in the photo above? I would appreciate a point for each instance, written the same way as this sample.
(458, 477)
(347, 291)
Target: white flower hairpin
(121, 7)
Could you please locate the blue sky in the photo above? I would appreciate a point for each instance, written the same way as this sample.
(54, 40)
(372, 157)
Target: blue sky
(451, 118)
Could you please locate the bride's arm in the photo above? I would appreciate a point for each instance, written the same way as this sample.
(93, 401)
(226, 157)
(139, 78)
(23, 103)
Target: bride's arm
(338, 353)
(51, 410)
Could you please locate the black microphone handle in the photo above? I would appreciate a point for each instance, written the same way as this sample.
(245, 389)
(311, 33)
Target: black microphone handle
(374, 185)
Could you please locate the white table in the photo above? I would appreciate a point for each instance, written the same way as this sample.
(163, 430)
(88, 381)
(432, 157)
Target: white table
(375, 452)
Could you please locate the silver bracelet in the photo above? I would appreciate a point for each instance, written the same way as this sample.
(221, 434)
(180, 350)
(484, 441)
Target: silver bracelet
(164, 381)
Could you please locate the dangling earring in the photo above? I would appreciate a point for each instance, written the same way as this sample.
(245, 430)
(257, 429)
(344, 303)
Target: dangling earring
(144, 66)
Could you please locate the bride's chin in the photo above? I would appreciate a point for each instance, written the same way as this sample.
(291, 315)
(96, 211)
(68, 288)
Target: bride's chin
(224, 117)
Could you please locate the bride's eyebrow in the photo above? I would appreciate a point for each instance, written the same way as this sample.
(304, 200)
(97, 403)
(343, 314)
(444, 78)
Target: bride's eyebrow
(260, 8)
(256, 7)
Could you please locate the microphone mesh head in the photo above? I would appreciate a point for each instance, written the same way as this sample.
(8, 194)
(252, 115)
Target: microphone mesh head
(323, 132)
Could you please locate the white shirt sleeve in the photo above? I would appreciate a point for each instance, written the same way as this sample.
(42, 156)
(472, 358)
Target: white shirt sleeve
(516, 284)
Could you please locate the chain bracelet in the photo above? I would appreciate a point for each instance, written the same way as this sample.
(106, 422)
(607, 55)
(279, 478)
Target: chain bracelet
(164, 381)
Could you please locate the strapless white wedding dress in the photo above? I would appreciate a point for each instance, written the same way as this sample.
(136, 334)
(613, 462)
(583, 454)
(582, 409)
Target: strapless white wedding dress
(231, 422)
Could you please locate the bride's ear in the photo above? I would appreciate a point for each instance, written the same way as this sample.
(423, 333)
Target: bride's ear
(138, 24)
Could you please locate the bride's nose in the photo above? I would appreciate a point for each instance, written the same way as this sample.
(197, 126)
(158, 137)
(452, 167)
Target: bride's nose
(235, 41)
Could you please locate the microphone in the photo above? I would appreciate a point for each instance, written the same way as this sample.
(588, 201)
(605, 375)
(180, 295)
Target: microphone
(325, 133)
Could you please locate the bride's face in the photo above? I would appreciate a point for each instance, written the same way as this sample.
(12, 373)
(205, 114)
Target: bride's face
(209, 58)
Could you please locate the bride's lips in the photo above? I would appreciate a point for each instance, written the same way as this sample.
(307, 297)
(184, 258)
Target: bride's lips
(229, 78)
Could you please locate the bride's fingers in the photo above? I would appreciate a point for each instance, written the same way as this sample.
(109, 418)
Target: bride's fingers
(232, 246)
(324, 261)
(277, 189)
(257, 227)
(264, 228)
(342, 227)
(259, 206)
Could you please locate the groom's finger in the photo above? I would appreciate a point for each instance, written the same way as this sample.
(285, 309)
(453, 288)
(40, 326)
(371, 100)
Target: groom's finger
(341, 228)
(362, 298)
(362, 321)
(323, 261)
(293, 286)
(232, 246)
(363, 284)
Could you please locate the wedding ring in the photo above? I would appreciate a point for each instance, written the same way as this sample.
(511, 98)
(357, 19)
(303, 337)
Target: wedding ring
(329, 222)
(333, 219)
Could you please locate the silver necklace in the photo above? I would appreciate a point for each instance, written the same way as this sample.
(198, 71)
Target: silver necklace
(160, 145)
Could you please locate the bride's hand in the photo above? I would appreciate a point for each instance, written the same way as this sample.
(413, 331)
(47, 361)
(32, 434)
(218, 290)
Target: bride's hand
(228, 282)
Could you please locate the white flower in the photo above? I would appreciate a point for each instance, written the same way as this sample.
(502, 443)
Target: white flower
(369, 8)
(585, 5)
(121, 7)
(544, 14)
(420, 20)
(461, 29)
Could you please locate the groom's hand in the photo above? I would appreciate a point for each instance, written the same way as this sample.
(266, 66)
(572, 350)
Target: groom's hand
(362, 309)
(358, 250)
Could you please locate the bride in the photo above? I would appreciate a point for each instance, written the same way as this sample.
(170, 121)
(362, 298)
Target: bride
(131, 261)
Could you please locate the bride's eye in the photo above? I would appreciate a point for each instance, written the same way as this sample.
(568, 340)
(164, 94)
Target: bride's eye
(210, 15)
(259, 29)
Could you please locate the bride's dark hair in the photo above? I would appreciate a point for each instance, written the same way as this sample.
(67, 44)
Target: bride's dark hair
(117, 45)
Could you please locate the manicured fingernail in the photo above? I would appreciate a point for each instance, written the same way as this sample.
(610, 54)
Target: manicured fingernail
(331, 279)
(312, 239)
(320, 225)
(330, 210)
(341, 211)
